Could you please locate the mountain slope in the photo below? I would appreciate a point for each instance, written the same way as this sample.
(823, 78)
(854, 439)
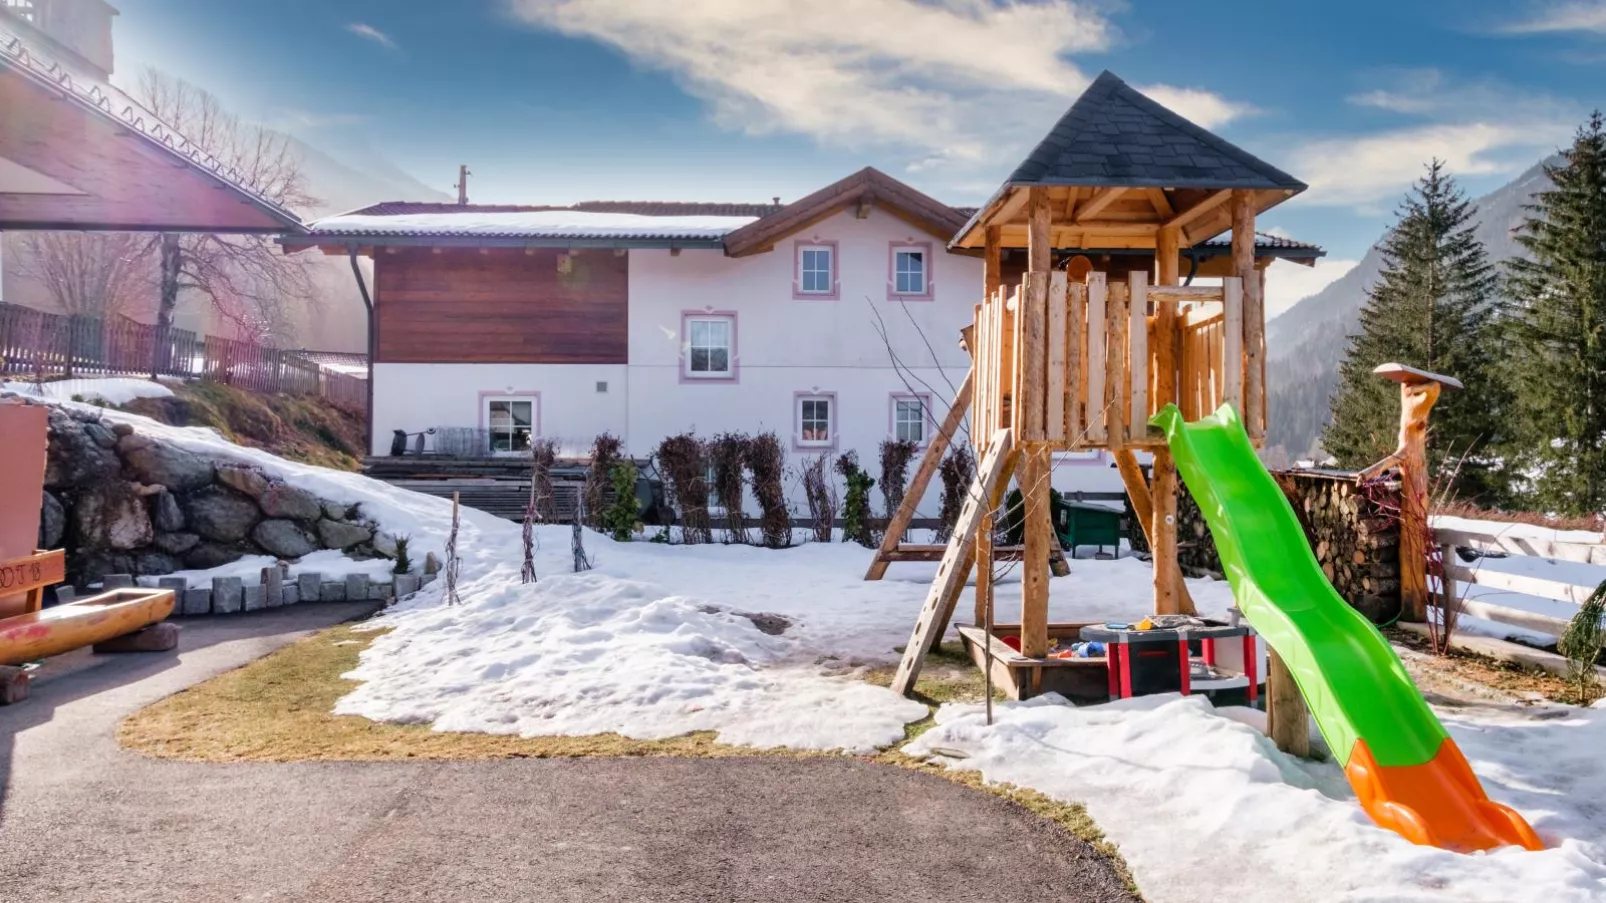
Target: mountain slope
(1304, 344)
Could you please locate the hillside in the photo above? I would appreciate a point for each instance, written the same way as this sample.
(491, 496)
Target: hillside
(1302, 352)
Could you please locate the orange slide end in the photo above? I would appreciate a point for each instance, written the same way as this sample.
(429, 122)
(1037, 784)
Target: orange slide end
(1439, 803)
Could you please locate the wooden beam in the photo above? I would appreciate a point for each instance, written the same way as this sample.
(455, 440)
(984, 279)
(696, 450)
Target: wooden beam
(994, 470)
(1160, 203)
(1036, 470)
(1096, 204)
(1038, 219)
(1166, 260)
(992, 261)
(929, 463)
(1137, 489)
(1287, 718)
(1181, 220)
(1243, 259)
(1010, 208)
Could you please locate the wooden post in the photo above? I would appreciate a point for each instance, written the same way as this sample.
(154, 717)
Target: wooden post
(1419, 390)
(1163, 542)
(1287, 718)
(1036, 456)
(929, 463)
(984, 567)
(1243, 266)
(1126, 461)
(993, 261)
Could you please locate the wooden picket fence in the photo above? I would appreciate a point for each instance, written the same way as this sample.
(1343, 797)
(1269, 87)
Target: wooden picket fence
(35, 342)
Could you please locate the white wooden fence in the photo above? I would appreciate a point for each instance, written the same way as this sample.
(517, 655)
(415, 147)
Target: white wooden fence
(1512, 541)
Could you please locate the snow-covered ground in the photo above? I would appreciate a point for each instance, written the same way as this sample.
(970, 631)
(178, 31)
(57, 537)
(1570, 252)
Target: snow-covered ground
(112, 390)
(658, 640)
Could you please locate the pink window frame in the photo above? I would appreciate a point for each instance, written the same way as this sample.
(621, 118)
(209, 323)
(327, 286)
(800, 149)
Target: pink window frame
(686, 316)
(892, 270)
(531, 395)
(797, 417)
(925, 407)
(797, 271)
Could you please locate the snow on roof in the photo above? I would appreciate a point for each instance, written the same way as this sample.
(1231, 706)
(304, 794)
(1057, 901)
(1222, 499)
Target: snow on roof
(532, 224)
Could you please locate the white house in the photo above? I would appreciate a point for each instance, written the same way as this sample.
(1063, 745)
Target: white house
(833, 321)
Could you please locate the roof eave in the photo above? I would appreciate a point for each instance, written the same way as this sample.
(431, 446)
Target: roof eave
(313, 240)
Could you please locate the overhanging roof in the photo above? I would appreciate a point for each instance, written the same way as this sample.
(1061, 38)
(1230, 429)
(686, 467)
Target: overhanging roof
(124, 170)
(1118, 166)
(402, 224)
(869, 187)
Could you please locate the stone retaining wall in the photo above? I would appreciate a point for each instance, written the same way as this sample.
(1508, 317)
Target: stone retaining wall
(122, 502)
(278, 587)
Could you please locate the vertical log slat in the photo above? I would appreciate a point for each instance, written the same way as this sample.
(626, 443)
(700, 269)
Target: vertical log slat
(1232, 336)
(1060, 385)
(1097, 359)
(1138, 354)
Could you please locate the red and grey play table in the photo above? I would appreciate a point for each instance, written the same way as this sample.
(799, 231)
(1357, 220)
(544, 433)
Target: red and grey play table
(1144, 662)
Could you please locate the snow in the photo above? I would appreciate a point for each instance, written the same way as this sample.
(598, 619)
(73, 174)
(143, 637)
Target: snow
(539, 223)
(1515, 531)
(653, 643)
(332, 564)
(660, 640)
(115, 390)
(1203, 806)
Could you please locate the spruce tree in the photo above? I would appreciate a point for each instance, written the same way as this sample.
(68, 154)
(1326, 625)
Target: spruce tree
(1432, 308)
(1558, 317)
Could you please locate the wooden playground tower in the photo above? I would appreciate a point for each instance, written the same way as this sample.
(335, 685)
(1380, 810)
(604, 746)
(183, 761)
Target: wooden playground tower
(1078, 356)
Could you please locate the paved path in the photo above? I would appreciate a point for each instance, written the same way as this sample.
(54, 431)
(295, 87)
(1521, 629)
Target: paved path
(82, 821)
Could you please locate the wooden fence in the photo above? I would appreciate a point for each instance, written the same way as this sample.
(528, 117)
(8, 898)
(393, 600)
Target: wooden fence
(36, 342)
(1101, 359)
(1535, 582)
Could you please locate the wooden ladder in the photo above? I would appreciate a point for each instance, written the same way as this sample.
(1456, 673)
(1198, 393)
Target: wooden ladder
(956, 561)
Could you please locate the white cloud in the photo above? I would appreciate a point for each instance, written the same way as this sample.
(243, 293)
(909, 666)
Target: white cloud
(368, 32)
(1572, 15)
(1289, 283)
(946, 81)
(1478, 128)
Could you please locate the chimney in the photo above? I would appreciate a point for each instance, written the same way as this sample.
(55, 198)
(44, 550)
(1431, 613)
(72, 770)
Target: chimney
(462, 185)
(82, 27)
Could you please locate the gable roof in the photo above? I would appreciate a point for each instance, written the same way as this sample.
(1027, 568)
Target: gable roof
(866, 188)
(1114, 135)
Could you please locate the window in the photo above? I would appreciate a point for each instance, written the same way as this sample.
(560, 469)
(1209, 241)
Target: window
(909, 271)
(816, 421)
(816, 269)
(710, 347)
(510, 423)
(909, 419)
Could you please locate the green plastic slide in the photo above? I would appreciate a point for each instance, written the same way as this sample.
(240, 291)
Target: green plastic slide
(1406, 770)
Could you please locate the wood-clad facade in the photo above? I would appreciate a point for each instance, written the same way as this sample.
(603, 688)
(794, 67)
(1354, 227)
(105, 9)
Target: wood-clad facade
(501, 306)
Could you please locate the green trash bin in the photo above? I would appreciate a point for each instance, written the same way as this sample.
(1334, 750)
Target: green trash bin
(1075, 523)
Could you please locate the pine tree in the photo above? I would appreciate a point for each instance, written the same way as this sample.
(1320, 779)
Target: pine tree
(1558, 327)
(1433, 308)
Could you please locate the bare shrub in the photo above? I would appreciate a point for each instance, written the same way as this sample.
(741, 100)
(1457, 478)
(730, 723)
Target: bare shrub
(605, 453)
(820, 490)
(957, 470)
(684, 461)
(767, 461)
(895, 457)
(728, 453)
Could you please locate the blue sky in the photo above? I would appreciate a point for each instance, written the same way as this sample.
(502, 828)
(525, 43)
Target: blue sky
(563, 100)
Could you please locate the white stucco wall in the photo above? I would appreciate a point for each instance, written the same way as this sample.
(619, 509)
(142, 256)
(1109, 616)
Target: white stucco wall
(783, 346)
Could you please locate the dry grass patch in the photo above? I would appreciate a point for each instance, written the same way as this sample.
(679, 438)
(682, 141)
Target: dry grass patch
(1506, 678)
(277, 709)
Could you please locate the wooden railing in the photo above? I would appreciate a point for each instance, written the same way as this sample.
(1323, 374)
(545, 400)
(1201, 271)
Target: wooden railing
(36, 342)
(1459, 574)
(1099, 349)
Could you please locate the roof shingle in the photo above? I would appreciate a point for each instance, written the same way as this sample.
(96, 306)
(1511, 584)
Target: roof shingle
(1114, 135)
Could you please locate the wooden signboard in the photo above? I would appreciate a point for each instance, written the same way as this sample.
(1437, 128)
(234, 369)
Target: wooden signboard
(22, 486)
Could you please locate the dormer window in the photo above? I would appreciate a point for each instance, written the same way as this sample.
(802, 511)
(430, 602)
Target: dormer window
(815, 271)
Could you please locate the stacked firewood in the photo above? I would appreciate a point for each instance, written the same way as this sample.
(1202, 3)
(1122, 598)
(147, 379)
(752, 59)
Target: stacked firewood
(1355, 535)
(1351, 529)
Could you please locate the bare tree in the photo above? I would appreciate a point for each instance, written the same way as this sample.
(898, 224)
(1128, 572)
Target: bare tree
(87, 274)
(249, 281)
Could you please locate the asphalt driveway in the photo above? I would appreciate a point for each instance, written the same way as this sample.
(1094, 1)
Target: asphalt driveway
(80, 820)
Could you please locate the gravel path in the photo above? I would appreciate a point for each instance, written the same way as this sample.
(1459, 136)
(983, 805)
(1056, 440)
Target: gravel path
(82, 821)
